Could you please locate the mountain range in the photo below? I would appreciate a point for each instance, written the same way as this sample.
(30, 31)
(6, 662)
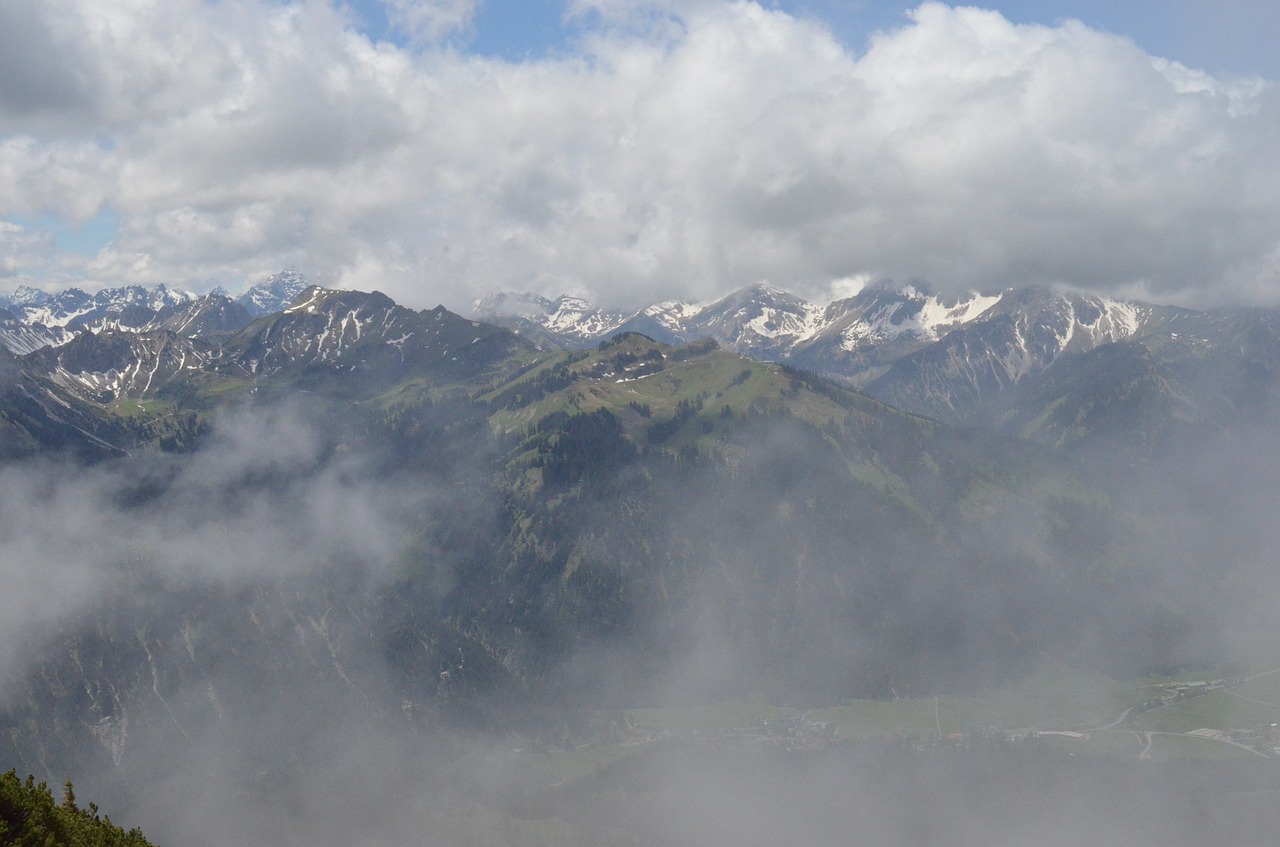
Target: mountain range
(968, 410)
(274, 523)
(849, 337)
(30, 319)
(1054, 366)
(1083, 372)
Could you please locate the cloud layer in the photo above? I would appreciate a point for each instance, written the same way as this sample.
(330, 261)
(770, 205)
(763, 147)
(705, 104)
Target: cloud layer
(682, 153)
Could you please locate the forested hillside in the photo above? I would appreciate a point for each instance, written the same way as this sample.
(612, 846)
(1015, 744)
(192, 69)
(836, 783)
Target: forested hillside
(30, 817)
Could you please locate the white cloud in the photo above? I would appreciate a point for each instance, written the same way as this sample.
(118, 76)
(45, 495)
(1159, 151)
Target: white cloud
(743, 144)
(431, 20)
(20, 250)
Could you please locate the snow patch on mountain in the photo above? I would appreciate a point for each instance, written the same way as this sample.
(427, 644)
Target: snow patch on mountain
(103, 367)
(274, 294)
(567, 317)
(309, 301)
(778, 323)
(1124, 317)
(39, 319)
(672, 314)
(927, 317)
(575, 316)
(21, 338)
(73, 306)
(760, 319)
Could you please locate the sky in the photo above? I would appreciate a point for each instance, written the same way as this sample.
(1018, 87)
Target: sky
(631, 151)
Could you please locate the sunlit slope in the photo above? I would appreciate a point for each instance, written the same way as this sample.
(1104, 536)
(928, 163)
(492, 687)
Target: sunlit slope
(833, 541)
(42, 415)
(701, 402)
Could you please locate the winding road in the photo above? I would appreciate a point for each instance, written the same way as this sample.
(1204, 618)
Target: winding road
(1149, 735)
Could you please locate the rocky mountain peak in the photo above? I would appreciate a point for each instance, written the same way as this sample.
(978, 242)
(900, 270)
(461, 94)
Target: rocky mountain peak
(275, 293)
(512, 305)
(25, 295)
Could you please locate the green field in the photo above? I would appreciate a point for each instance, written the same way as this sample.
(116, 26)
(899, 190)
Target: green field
(1056, 698)
(728, 715)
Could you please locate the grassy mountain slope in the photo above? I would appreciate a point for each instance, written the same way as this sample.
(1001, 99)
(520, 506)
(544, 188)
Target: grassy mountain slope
(649, 491)
(626, 524)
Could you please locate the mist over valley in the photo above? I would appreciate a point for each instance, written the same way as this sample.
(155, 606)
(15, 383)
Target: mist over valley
(639, 422)
(352, 573)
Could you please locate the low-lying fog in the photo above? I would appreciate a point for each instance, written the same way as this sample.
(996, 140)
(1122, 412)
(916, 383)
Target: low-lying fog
(229, 648)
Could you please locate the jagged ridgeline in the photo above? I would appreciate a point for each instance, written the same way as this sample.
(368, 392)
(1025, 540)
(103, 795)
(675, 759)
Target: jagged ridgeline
(350, 513)
(1097, 376)
(114, 389)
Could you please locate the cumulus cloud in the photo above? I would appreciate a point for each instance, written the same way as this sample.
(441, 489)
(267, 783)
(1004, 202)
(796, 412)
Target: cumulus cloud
(729, 145)
(431, 20)
(20, 249)
(29, 83)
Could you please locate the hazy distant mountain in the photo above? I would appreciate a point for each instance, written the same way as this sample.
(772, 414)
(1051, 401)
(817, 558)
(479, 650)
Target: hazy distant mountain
(329, 336)
(72, 308)
(19, 337)
(552, 498)
(856, 338)
(274, 293)
(212, 314)
(978, 359)
(956, 362)
(1025, 361)
(563, 322)
(30, 318)
(348, 525)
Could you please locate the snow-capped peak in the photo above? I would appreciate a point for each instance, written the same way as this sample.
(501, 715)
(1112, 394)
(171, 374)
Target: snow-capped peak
(575, 316)
(912, 312)
(25, 295)
(569, 317)
(310, 299)
(672, 315)
(275, 293)
(510, 304)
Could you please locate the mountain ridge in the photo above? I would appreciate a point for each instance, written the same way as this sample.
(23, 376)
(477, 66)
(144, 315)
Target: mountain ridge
(30, 318)
(349, 512)
(1001, 361)
(972, 360)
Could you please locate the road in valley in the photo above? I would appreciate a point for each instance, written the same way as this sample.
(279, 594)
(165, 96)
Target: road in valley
(1148, 735)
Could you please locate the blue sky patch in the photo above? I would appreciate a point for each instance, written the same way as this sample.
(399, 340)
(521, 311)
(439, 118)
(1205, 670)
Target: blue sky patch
(85, 239)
